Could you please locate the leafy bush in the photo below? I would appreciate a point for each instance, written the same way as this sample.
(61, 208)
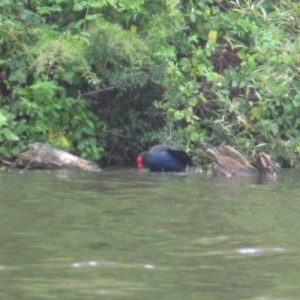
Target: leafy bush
(106, 79)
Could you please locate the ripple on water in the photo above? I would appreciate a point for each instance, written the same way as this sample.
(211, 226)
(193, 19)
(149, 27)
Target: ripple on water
(249, 251)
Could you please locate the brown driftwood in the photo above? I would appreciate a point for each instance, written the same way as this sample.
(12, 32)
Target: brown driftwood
(44, 157)
(230, 163)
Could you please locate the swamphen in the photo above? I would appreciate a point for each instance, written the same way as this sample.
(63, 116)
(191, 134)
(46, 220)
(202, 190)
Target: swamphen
(164, 158)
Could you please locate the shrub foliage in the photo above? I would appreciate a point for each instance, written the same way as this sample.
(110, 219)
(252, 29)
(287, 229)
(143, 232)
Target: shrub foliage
(108, 78)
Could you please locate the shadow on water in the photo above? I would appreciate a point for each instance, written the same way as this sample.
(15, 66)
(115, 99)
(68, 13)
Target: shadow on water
(122, 234)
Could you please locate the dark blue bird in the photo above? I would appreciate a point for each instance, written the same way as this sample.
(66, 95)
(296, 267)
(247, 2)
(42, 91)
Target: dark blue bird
(164, 158)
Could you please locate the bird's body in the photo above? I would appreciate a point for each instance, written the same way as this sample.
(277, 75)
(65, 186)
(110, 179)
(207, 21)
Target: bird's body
(164, 158)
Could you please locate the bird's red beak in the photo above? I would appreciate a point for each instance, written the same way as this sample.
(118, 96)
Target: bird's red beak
(139, 162)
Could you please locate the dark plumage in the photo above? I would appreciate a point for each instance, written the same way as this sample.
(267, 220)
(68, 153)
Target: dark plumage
(164, 158)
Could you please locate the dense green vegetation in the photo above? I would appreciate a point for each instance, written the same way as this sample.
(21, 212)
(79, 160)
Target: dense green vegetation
(108, 78)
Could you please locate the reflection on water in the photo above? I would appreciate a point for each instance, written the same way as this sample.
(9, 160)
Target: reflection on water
(122, 234)
(259, 250)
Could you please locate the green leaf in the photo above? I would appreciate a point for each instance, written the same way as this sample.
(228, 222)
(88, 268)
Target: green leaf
(234, 83)
(90, 17)
(78, 6)
(63, 141)
(192, 17)
(87, 130)
(95, 4)
(202, 97)
(92, 141)
(296, 103)
(81, 146)
(9, 135)
(68, 77)
(65, 117)
(4, 2)
(16, 150)
(193, 101)
(194, 136)
(55, 114)
(90, 123)
(178, 115)
(184, 61)
(242, 55)
(78, 23)
(3, 119)
(5, 151)
(77, 134)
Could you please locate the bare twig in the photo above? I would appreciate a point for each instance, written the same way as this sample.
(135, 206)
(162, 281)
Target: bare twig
(33, 156)
(99, 91)
(7, 163)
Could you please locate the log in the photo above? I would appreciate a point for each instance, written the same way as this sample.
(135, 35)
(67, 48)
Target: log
(230, 163)
(265, 166)
(40, 156)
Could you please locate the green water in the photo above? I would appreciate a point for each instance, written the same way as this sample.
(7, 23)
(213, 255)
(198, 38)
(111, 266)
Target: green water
(121, 234)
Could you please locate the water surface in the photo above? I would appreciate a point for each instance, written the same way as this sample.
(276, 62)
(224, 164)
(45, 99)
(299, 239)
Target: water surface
(121, 234)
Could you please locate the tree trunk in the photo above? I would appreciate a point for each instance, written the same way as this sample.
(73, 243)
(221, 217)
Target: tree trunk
(230, 163)
(44, 157)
